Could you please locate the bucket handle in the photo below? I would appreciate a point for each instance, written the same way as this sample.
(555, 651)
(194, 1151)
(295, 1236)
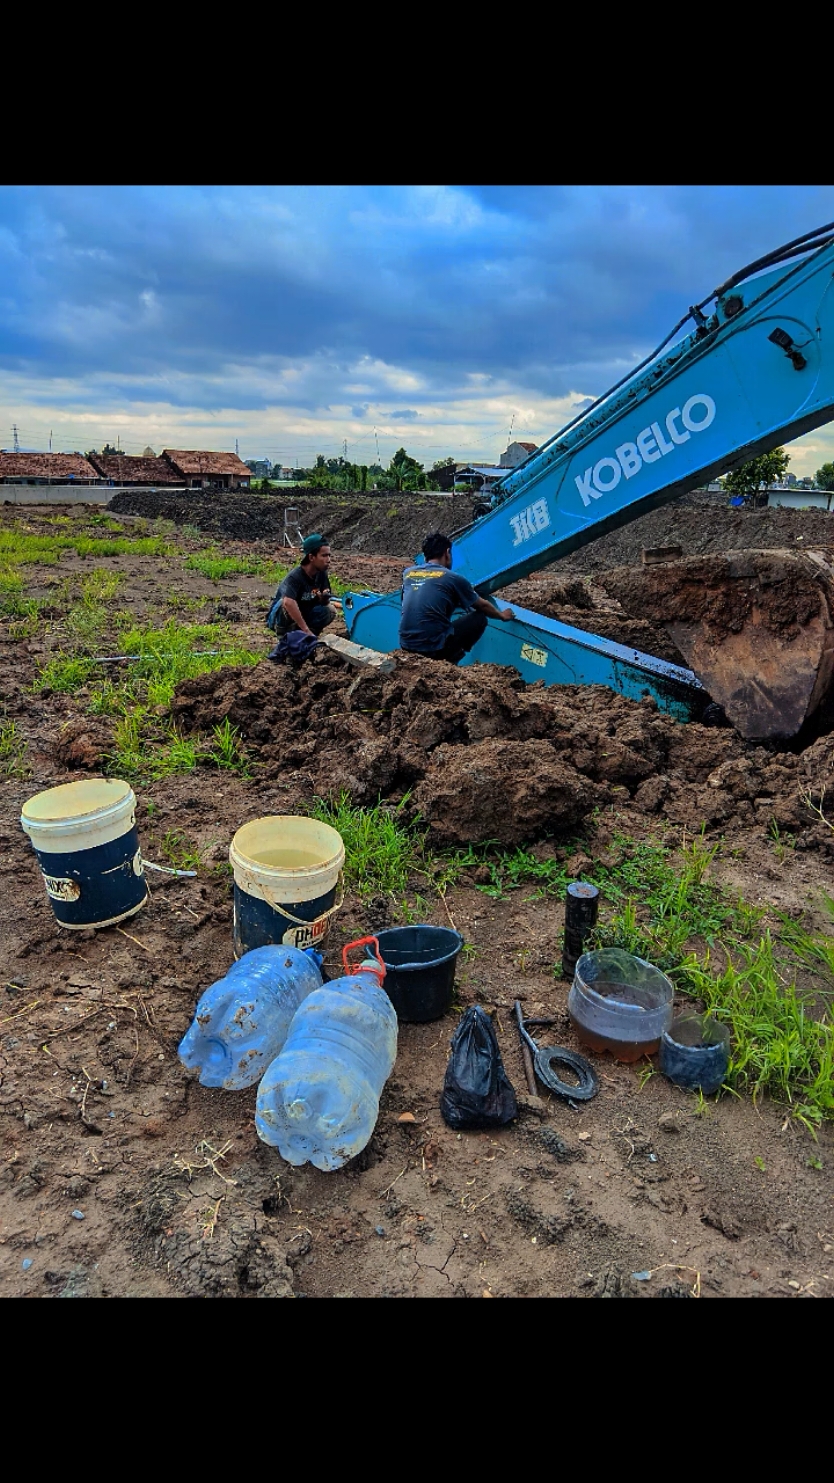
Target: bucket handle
(322, 917)
(364, 967)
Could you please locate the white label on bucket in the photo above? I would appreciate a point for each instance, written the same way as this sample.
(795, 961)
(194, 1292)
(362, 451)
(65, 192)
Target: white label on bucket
(61, 889)
(534, 656)
(306, 936)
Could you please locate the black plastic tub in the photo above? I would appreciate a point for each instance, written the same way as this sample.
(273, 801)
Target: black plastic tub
(420, 970)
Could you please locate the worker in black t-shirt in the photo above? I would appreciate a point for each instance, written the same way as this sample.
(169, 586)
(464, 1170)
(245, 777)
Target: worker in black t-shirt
(431, 593)
(303, 600)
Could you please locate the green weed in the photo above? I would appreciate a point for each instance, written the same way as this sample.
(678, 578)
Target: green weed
(12, 750)
(99, 586)
(509, 870)
(106, 521)
(381, 851)
(18, 547)
(180, 851)
(216, 567)
(778, 1047)
(227, 751)
(64, 674)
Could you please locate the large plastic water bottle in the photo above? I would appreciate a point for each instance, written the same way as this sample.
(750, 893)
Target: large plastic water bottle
(241, 1022)
(319, 1100)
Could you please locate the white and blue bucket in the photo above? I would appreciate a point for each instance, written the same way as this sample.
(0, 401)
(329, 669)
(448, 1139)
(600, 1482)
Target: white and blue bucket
(288, 875)
(84, 835)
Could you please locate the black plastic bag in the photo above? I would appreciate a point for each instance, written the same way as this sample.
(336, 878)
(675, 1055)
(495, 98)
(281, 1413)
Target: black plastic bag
(476, 1092)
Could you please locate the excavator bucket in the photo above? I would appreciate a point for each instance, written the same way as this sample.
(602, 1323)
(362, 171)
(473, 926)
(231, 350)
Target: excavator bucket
(757, 628)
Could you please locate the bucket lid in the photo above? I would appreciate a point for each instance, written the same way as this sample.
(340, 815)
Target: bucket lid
(89, 801)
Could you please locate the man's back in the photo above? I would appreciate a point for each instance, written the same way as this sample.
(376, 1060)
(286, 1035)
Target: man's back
(431, 593)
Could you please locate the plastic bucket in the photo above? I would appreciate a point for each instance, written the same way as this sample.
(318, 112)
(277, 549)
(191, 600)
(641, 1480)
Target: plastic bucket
(419, 970)
(287, 871)
(620, 1003)
(84, 835)
(695, 1052)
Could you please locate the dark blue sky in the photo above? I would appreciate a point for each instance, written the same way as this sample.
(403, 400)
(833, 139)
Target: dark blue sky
(296, 318)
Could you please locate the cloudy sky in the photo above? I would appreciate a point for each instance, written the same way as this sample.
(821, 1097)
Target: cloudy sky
(295, 319)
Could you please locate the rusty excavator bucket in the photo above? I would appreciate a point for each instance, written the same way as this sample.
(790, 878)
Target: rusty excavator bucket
(757, 628)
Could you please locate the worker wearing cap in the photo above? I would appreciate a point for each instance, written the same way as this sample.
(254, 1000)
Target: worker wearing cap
(303, 603)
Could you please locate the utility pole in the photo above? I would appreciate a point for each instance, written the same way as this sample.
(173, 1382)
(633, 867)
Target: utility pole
(50, 440)
(237, 449)
(16, 443)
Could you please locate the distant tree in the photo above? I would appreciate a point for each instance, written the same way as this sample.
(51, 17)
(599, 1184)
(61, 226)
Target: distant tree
(443, 463)
(750, 478)
(109, 449)
(406, 472)
(825, 476)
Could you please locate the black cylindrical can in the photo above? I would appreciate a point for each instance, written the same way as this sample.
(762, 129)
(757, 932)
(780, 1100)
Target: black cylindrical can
(581, 907)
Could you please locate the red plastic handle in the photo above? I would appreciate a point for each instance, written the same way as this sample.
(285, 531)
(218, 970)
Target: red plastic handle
(351, 968)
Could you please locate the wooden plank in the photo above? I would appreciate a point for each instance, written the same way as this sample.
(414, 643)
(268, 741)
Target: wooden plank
(358, 654)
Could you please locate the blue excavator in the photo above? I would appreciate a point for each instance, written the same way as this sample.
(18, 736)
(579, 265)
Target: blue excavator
(754, 370)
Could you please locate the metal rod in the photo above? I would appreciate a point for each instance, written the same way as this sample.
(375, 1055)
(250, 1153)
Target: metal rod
(525, 1053)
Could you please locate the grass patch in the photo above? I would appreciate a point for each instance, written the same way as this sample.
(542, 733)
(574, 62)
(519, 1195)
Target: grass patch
(665, 902)
(13, 762)
(64, 673)
(176, 652)
(146, 746)
(216, 567)
(99, 586)
(180, 851)
(714, 950)
(382, 852)
(227, 751)
(778, 1046)
(19, 547)
(509, 870)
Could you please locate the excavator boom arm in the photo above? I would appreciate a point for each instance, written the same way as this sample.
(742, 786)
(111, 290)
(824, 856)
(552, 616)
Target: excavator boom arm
(758, 373)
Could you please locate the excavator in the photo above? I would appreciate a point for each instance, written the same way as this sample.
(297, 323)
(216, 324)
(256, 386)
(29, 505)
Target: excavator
(754, 369)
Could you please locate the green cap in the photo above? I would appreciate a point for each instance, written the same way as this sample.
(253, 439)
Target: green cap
(311, 545)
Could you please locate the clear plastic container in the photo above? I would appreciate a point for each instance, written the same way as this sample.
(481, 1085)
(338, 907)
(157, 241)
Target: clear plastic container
(695, 1052)
(241, 1022)
(620, 1003)
(319, 1100)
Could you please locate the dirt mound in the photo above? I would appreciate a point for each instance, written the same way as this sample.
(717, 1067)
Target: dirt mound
(389, 524)
(486, 757)
(83, 743)
(722, 593)
(701, 523)
(756, 627)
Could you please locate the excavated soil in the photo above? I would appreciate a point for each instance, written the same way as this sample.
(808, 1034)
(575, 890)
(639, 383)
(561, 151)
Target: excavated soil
(700, 523)
(121, 1176)
(392, 524)
(486, 757)
(785, 589)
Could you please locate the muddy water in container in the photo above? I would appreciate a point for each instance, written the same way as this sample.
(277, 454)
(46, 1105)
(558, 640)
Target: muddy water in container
(287, 872)
(620, 1003)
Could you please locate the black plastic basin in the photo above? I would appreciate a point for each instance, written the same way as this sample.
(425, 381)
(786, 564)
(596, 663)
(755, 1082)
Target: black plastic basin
(420, 970)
